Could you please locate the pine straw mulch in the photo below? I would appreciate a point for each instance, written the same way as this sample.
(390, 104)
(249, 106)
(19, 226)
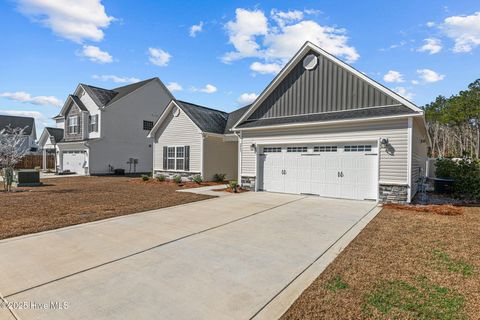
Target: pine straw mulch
(62, 202)
(404, 265)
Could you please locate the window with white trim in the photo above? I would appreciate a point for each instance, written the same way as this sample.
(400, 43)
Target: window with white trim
(176, 158)
(272, 149)
(325, 149)
(297, 149)
(73, 125)
(180, 156)
(93, 123)
(357, 148)
(171, 158)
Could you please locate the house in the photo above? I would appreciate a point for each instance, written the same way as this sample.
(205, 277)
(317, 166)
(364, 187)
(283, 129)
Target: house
(48, 143)
(26, 123)
(322, 127)
(190, 140)
(106, 129)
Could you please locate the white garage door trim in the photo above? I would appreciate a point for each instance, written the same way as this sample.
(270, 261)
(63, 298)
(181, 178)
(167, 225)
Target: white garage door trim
(340, 144)
(80, 152)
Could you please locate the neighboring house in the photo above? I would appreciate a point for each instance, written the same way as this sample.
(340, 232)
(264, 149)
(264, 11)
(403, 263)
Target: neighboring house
(322, 127)
(106, 129)
(26, 123)
(48, 144)
(193, 140)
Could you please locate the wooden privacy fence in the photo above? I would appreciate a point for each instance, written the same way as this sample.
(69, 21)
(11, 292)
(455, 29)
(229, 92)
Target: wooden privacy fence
(31, 161)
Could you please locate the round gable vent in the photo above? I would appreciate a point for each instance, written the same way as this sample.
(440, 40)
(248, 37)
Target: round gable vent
(310, 62)
(176, 111)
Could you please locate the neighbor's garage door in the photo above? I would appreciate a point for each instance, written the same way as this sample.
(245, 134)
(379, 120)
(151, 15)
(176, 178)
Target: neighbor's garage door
(335, 170)
(74, 161)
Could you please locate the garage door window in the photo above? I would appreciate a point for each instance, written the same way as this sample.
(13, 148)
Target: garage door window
(297, 149)
(357, 148)
(325, 149)
(272, 149)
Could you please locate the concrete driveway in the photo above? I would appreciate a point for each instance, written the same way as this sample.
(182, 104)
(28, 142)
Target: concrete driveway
(223, 258)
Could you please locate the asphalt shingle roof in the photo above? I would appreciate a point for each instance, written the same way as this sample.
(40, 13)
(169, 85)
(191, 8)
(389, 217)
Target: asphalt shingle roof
(57, 133)
(330, 116)
(207, 119)
(17, 122)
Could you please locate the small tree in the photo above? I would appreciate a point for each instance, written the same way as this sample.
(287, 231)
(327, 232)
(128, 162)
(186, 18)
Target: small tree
(12, 150)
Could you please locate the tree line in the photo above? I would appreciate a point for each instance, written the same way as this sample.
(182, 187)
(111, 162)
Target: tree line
(454, 123)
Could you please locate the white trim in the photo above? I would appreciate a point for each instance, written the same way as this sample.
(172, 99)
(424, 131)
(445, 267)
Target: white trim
(393, 183)
(163, 116)
(317, 123)
(202, 155)
(409, 158)
(239, 155)
(304, 49)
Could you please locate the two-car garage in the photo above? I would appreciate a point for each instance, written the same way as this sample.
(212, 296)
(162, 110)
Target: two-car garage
(340, 170)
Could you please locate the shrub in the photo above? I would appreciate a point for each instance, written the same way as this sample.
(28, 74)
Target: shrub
(233, 185)
(465, 172)
(37, 168)
(145, 177)
(161, 177)
(219, 177)
(197, 179)
(177, 179)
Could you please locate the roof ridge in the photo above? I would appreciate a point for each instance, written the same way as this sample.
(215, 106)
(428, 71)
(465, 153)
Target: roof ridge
(199, 106)
(134, 83)
(90, 86)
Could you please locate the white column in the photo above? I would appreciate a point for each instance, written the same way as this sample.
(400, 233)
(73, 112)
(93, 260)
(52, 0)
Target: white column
(44, 159)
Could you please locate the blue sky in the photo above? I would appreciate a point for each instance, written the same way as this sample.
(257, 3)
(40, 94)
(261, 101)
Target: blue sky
(222, 54)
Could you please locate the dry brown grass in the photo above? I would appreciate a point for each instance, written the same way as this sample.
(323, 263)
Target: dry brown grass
(73, 200)
(444, 209)
(402, 247)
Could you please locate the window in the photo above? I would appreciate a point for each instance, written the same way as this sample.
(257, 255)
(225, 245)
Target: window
(358, 148)
(325, 149)
(176, 158)
(296, 149)
(93, 123)
(147, 125)
(73, 124)
(272, 149)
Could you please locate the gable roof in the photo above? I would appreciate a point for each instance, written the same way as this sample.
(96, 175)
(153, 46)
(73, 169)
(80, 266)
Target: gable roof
(17, 122)
(207, 120)
(57, 133)
(393, 98)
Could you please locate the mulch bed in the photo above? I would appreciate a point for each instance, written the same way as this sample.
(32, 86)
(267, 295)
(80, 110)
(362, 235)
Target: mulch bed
(230, 190)
(68, 201)
(431, 261)
(182, 185)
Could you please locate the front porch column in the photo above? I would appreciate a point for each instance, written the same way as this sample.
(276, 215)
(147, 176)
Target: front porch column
(44, 160)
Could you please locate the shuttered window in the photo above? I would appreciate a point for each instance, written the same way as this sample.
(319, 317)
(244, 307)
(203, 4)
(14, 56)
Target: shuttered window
(176, 158)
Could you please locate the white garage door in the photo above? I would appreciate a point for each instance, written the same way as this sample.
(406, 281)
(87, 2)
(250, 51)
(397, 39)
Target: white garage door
(74, 161)
(347, 170)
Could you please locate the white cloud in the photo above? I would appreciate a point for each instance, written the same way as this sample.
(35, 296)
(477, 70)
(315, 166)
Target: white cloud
(429, 76)
(115, 79)
(247, 98)
(393, 76)
(464, 30)
(95, 54)
(25, 97)
(71, 19)
(431, 45)
(174, 86)
(196, 28)
(265, 68)
(415, 82)
(430, 24)
(252, 37)
(159, 57)
(209, 88)
(404, 92)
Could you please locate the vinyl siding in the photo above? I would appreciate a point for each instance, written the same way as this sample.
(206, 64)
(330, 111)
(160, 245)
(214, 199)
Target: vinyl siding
(328, 87)
(419, 153)
(220, 157)
(178, 131)
(393, 166)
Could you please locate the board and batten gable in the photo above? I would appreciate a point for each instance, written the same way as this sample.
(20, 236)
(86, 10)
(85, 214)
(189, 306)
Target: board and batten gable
(393, 163)
(328, 87)
(178, 131)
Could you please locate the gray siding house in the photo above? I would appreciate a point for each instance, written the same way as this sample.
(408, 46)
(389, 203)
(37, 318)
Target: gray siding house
(322, 127)
(106, 129)
(28, 124)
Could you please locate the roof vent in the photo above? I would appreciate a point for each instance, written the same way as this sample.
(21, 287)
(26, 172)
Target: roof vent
(176, 111)
(310, 62)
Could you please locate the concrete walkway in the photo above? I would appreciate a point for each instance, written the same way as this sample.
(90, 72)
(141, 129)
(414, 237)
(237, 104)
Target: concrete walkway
(222, 258)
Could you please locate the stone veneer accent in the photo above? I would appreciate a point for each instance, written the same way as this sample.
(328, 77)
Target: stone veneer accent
(393, 193)
(248, 182)
(170, 174)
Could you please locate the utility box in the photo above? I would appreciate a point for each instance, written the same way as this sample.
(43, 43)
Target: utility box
(27, 178)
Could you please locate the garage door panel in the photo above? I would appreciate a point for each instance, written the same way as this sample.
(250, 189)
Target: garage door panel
(74, 161)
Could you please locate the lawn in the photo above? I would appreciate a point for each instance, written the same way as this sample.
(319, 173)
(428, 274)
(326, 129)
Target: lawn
(63, 202)
(403, 265)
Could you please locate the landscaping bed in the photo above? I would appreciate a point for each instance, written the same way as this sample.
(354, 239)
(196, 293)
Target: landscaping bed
(406, 264)
(68, 201)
